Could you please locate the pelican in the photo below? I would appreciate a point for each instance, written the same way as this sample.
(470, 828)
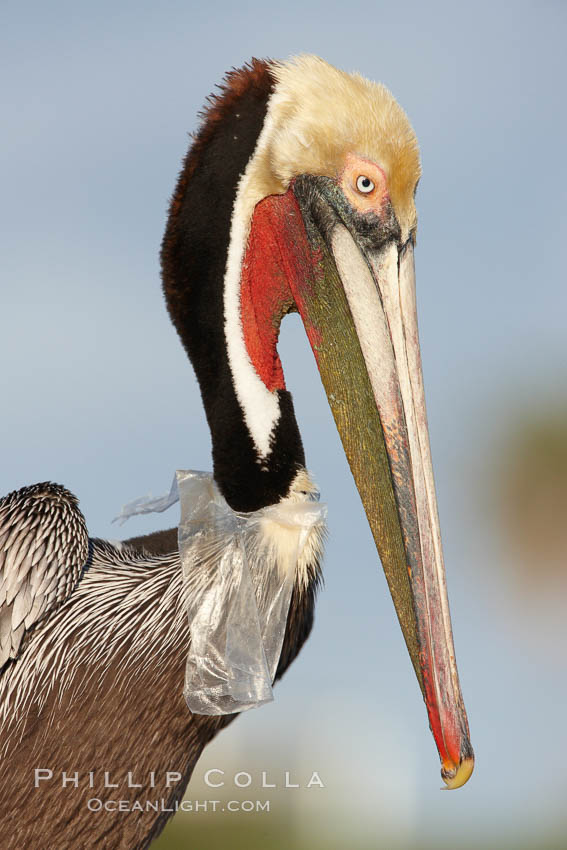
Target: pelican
(296, 194)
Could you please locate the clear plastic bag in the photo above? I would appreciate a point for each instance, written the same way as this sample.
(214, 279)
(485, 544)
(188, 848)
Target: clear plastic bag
(238, 571)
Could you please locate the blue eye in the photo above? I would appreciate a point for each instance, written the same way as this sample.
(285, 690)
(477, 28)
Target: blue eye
(364, 184)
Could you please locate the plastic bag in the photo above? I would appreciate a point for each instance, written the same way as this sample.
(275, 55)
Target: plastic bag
(239, 571)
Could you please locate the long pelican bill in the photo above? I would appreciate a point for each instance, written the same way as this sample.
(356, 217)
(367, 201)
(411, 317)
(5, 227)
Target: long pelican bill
(356, 296)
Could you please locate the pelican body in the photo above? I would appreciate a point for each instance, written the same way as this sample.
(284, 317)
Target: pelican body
(297, 194)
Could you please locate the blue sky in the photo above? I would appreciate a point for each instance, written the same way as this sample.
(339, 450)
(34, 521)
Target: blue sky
(97, 393)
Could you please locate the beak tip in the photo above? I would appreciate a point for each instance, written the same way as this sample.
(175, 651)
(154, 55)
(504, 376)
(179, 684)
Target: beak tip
(455, 777)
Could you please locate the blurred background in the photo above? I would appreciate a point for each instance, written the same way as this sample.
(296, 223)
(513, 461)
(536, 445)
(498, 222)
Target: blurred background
(97, 393)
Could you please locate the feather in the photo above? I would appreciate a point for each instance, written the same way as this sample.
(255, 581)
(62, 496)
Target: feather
(42, 555)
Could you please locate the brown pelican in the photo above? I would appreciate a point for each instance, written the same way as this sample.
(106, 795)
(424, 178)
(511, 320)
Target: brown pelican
(297, 194)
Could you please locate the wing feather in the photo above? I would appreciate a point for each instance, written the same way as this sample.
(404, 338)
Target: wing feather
(43, 551)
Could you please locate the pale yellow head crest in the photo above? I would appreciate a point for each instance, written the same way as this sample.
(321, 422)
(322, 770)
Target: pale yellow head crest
(317, 115)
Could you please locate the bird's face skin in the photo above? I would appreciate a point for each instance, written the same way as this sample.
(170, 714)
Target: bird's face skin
(365, 188)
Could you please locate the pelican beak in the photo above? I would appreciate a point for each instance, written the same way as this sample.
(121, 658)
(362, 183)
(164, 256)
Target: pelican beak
(356, 297)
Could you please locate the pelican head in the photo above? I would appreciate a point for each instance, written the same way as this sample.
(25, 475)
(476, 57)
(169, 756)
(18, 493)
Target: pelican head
(298, 195)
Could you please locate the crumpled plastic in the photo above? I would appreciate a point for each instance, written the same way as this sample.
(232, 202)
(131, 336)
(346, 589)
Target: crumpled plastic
(239, 570)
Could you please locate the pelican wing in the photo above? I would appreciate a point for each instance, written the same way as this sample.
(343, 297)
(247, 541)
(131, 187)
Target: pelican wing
(43, 550)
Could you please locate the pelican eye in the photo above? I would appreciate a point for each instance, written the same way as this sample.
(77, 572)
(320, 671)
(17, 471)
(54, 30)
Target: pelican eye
(364, 184)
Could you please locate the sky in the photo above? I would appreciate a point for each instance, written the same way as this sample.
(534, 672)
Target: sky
(97, 393)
